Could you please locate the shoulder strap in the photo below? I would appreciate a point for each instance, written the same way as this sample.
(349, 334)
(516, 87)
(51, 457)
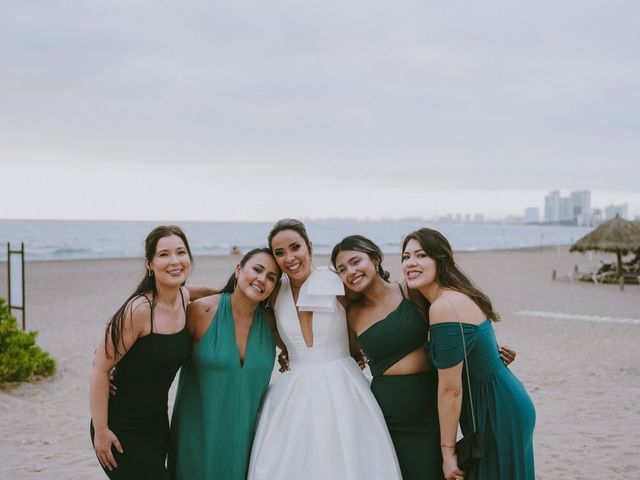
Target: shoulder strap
(150, 309)
(466, 365)
(401, 291)
(184, 307)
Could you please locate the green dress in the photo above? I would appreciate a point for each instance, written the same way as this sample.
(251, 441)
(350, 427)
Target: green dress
(504, 412)
(217, 403)
(409, 402)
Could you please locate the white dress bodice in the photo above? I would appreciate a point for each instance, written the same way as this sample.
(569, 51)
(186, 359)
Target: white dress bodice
(329, 321)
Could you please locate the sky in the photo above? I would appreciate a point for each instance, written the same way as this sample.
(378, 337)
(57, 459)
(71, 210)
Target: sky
(256, 110)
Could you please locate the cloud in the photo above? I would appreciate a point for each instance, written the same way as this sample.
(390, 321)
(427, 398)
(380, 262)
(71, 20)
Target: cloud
(441, 95)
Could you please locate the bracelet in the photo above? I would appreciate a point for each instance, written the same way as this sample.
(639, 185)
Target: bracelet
(444, 445)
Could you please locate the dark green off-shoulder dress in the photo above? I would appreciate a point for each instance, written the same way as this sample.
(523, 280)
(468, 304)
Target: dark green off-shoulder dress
(504, 411)
(409, 402)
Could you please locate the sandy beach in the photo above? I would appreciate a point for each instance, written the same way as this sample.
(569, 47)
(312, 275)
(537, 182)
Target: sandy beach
(577, 349)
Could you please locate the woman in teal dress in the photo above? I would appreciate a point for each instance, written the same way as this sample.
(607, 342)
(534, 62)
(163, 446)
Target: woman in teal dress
(504, 413)
(223, 382)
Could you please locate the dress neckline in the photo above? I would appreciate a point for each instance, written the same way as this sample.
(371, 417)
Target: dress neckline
(386, 317)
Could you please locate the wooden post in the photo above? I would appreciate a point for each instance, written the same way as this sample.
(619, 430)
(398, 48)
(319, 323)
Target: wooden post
(621, 280)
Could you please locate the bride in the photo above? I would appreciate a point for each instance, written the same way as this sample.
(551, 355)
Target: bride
(319, 420)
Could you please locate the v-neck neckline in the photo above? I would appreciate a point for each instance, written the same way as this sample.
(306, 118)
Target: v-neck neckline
(295, 309)
(241, 361)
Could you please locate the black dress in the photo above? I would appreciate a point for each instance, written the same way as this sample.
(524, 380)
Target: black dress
(138, 412)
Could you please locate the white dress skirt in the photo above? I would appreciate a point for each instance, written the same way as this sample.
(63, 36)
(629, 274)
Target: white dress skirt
(319, 420)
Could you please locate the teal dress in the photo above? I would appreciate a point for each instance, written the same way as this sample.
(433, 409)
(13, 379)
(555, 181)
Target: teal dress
(217, 403)
(504, 412)
(409, 403)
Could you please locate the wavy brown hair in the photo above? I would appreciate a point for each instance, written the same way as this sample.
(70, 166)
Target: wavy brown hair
(448, 274)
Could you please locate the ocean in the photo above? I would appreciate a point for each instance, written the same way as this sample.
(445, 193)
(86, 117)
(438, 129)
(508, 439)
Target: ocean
(75, 239)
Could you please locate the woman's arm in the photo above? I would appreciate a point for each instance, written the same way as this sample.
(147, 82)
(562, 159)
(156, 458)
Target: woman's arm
(104, 438)
(353, 313)
(449, 398)
(200, 291)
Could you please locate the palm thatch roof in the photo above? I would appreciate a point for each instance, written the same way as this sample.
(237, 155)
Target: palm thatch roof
(616, 236)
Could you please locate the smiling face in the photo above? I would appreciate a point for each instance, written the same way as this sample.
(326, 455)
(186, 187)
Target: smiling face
(171, 263)
(292, 254)
(419, 270)
(356, 269)
(258, 277)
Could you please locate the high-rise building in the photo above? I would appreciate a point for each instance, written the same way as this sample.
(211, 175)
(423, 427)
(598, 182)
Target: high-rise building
(531, 215)
(552, 207)
(581, 204)
(576, 208)
(612, 210)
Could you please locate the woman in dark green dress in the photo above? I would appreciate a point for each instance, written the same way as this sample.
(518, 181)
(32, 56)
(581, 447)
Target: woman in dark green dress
(148, 341)
(392, 330)
(222, 384)
(461, 319)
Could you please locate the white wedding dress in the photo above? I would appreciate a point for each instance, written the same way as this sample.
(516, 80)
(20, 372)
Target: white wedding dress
(319, 420)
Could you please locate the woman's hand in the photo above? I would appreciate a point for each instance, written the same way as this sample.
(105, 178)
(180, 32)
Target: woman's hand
(450, 467)
(362, 360)
(283, 360)
(112, 387)
(507, 355)
(102, 441)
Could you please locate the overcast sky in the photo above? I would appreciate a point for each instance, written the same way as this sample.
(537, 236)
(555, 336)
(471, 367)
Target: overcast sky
(253, 110)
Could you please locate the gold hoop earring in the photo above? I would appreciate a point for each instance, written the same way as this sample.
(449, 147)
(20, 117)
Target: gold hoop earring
(150, 272)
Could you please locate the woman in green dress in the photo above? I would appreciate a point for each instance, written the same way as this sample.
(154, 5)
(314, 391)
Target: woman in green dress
(222, 384)
(390, 324)
(461, 319)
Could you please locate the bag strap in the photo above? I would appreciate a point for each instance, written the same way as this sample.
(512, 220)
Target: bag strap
(466, 365)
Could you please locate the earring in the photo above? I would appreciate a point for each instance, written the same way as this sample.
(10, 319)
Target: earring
(235, 283)
(150, 272)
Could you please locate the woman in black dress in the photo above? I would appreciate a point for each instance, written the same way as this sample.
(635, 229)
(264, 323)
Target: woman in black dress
(148, 341)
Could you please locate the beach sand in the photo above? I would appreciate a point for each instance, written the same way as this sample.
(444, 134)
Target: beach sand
(583, 374)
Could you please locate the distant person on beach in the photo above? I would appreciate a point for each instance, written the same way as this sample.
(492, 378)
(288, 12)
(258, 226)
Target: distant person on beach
(235, 250)
(390, 323)
(148, 341)
(319, 419)
(221, 386)
(491, 397)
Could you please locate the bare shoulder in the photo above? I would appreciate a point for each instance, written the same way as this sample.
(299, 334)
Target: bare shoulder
(203, 306)
(442, 310)
(200, 312)
(354, 315)
(138, 315)
(454, 306)
(186, 296)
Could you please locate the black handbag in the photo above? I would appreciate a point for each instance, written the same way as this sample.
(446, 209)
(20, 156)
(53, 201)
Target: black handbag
(470, 448)
(469, 451)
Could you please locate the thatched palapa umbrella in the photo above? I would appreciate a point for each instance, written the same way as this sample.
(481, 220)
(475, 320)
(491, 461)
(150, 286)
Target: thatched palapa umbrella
(617, 236)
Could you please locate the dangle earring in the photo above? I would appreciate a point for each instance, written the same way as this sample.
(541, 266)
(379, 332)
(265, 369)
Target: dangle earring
(150, 272)
(235, 283)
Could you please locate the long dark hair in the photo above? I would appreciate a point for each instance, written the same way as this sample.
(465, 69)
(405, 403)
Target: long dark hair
(231, 283)
(358, 243)
(289, 224)
(147, 286)
(448, 274)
